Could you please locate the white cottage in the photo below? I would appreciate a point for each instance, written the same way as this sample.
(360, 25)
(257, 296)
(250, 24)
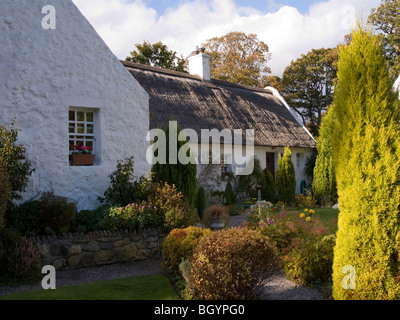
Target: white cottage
(198, 102)
(64, 87)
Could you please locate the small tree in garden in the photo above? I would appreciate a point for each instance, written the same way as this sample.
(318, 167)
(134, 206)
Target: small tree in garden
(268, 185)
(123, 189)
(324, 183)
(18, 167)
(230, 194)
(286, 178)
(183, 176)
(367, 163)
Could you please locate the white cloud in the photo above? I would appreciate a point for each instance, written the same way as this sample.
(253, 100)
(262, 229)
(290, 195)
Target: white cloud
(123, 23)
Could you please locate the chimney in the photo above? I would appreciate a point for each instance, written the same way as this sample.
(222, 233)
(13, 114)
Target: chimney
(199, 64)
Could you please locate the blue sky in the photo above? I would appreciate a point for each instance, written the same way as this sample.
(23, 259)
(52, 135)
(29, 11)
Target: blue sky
(264, 6)
(289, 27)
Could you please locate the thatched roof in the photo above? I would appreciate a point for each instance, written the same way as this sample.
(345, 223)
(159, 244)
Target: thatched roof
(198, 104)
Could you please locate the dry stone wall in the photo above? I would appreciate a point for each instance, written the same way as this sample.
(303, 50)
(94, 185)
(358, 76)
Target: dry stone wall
(98, 248)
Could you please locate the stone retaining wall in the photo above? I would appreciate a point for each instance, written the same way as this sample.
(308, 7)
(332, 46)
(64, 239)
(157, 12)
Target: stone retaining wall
(98, 248)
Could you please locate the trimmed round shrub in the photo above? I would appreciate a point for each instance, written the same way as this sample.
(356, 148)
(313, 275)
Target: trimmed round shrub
(179, 245)
(231, 264)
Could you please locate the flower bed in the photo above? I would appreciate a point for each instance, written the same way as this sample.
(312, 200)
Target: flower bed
(305, 245)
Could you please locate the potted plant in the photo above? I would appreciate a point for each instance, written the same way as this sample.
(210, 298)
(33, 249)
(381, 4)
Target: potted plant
(82, 156)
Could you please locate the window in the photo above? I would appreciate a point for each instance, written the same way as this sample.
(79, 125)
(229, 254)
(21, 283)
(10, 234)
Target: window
(299, 159)
(82, 128)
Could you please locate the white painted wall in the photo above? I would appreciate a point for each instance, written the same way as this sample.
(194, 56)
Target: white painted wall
(260, 154)
(43, 73)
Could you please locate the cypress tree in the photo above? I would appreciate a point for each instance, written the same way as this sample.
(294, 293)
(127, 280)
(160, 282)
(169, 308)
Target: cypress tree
(230, 194)
(183, 176)
(286, 178)
(324, 182)
(201, 201)
(367, 164)
(268, 185)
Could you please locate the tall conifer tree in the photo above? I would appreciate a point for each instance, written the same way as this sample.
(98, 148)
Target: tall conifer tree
(367, 164)
(286, 178)
(183, 176)
(324, 183)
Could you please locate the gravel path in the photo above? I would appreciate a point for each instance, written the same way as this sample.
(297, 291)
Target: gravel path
(280, 288)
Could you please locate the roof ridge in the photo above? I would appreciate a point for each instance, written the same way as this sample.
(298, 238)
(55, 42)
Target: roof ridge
(136, 65)
(159, 70)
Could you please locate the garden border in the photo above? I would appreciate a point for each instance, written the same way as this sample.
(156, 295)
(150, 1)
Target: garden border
(74, 250)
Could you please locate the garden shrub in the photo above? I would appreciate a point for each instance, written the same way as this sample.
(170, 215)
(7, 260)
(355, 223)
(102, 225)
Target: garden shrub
(185, 269)
(215, 212)
(17, 166)
(22, 260)
(230, 264)
(268, 185)
(171, 205)
(310, 260)
(179, 245)
(4, 193)
(50, 214)
(201, 201)
(123, 189)
(89, 220)
(367, 165)
(283, 228)
(305, 201)
(136, 217)
(304, 245)
(286, 178)
(230, 194)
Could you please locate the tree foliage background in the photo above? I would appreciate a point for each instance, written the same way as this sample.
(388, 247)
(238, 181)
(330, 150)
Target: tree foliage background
(157, 55)
(239, 58)
(308, 85)
(386, 18)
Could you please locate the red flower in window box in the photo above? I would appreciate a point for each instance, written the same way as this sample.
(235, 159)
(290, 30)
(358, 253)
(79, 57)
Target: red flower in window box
(82, 156)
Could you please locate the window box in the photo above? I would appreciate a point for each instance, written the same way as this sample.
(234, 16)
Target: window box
(82, 159)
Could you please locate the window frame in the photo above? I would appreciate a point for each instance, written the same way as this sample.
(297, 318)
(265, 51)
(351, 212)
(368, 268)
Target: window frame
(85, 137)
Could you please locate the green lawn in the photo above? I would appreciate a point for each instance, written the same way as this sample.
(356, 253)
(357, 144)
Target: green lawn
(329, 217)
(154, 287)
